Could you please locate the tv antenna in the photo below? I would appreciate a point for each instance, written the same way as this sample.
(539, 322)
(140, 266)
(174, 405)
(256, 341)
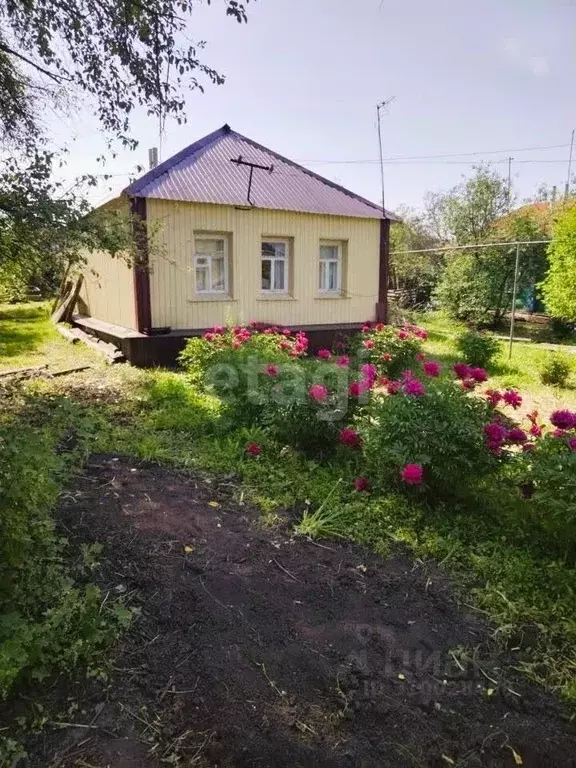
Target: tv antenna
(381, 106)
(240, 161)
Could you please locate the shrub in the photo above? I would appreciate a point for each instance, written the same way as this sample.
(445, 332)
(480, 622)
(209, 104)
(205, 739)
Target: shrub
(555, 370)
(391, 349)
(436, 435)
(548, 483)
(477, 348)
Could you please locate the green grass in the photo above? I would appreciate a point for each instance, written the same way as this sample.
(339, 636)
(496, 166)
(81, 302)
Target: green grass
(521, 371)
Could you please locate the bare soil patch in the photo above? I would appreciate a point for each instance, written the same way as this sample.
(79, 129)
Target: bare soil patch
(258, 649)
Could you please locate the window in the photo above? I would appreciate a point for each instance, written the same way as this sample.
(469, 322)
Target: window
(274, 268)
(330, 275)
(211, 264)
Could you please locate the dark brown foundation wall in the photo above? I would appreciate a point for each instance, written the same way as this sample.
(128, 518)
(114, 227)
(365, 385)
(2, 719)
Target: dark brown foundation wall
(163, 349)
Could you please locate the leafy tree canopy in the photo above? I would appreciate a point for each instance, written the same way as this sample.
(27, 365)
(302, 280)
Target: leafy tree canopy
(559, 286)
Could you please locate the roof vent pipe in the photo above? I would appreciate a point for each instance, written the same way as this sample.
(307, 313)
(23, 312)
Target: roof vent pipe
(153, 157)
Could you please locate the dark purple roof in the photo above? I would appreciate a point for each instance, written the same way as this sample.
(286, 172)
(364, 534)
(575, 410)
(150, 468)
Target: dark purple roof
(203, 173)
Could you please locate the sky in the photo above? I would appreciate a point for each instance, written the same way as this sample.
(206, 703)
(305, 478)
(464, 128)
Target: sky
(303, 77)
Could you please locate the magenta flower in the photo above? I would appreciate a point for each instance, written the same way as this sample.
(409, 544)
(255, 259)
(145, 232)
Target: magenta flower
(432, 368)
(412, 474)
(368, 344)
(461, 370)
(349, 437)
(468, 383)
(414, 387)
(343, 361)
(572, 443)
(286, 332)
(494, 397)
(324, 354)
(208, 336)
(516, 435)
(513, 398)
(366, 328)
(271, 370)
(362, 484)
(478, 374)
(379, 327)
(420, 357)
(495, 432)
(318, 392)
(369, 371)
(559, 433)
(563, 419)
(536, 430)
(218, 329)
(356, 388)
(402, 335)
(253, 449)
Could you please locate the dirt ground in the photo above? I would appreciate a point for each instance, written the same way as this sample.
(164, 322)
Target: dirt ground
(257, 649)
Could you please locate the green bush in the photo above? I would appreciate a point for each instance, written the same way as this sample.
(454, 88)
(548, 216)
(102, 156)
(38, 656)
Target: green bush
(556, 370)
(392, 350)
(477, 348)
(440, 430)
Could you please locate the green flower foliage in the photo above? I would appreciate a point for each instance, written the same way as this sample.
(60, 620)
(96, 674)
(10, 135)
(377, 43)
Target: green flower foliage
(477, 348)
(559, 286)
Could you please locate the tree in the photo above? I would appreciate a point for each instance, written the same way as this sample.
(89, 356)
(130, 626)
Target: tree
(559, 286)
(122, 53)
(413, 274)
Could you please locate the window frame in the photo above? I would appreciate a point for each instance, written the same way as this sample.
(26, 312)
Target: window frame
(225, 291)
(272, 259)
(339, 261)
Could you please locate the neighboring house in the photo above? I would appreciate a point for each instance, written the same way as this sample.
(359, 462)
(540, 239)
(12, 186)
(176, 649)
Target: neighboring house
(232, 243)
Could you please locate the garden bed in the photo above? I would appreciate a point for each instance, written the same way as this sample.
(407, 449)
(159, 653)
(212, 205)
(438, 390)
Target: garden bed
(256, 648)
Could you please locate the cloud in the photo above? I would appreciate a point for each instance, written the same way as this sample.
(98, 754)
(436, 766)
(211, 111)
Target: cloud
(515, 50)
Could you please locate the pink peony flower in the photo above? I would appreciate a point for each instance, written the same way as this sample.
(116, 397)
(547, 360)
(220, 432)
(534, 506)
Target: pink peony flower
(478, 374)
(412, 474)
(379, 327)
(513, 398)
(536, 430)
(349, 437)
(284, 345)
(461, 370)
(432, 368)
(495, 447)
(286, 332)
(494, 397)
(468, 384)
(271, 370)
(563, 419)
(362, 484)
(369, 371)
(366, 328)
(495, 432)
(218, 329)
(209, 336)
(343, 361)
(393, 387)
(356, 388)
(414, 387)
(368, 344)
(572, 443)
(516, 435)
(318, 392)
(324, 354)
(402, 335)
(420, 356)
(253, 449)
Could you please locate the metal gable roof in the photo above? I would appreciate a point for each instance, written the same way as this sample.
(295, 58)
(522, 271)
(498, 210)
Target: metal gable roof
(203, 173)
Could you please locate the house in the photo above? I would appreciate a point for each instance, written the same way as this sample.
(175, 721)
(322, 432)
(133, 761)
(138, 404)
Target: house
(236, 233)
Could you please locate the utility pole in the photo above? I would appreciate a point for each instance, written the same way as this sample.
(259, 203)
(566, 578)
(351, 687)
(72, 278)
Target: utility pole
(510, 182)
(514, 292)
(382, 105)
(567, 191)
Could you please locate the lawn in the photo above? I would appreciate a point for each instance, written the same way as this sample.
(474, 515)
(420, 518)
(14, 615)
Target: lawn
(205, 540)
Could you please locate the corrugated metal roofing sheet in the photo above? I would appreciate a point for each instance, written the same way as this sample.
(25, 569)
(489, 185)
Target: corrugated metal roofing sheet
(204, 173)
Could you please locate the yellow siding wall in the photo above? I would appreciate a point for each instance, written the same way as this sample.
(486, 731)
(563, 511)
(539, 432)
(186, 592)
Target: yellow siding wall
(108, 289)
(172, 226)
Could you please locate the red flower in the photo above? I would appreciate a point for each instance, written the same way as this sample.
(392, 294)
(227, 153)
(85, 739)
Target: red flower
(379, 327)
(513, 398)
(468, 384)
(478, 374)
(218, 329)
(493, 396)
(516, 435)
(495, 432)
(271, 370)
(343, 361)
(369, 371)
(284, 345)
(420, 356)
(412, 474)
(394, 387)
(432, 368)
(366, 328)
(236, 344)
(402, 335)
(253, 449)
(362, 484)
(209, 336)
(414, 387)
(350, 437)
(318, 392)
(324, 354)
(572, 443)
(461, 370)
(386, 357)
(563, 419)
(368, 344)
(536, 430)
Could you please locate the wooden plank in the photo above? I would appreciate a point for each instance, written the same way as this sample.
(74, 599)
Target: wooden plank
(22, 371)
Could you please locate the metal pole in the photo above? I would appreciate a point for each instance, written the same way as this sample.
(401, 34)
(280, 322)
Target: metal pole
(510, 182)
(567, 191)
(381, 154)
(514, 290)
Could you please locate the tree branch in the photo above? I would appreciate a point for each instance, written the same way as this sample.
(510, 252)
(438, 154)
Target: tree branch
(57, 78)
